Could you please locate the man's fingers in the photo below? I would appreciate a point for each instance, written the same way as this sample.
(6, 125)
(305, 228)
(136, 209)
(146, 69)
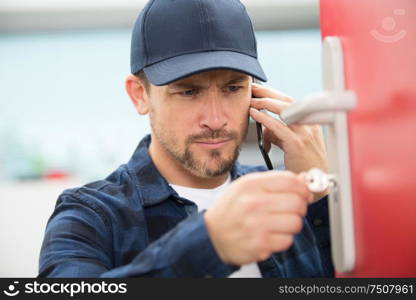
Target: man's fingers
(262, 91)
(273, 105)
(270, 137)
(280, 242)
(280, 130)
(283, 203)
(278, 182)
(282, 223)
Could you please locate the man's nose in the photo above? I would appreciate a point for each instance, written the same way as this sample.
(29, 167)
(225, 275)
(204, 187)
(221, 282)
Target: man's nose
(213, 113)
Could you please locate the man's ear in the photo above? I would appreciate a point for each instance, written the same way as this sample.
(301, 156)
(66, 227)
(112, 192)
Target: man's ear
(138, 94)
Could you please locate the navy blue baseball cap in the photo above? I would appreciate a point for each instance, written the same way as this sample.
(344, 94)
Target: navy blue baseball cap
(173, 39)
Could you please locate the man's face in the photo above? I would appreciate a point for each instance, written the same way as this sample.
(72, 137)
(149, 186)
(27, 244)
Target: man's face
(202, 120)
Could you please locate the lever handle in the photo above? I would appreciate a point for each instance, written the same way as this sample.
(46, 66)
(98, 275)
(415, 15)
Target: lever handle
(330, 107)
(318, 108)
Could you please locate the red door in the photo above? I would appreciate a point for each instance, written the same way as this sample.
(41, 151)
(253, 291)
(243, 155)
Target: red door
(379, 47)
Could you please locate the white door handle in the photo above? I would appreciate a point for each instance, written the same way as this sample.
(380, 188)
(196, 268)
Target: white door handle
(330, 108)
(319, 108)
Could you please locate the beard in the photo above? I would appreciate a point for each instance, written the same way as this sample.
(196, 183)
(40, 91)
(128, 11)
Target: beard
(201, 167)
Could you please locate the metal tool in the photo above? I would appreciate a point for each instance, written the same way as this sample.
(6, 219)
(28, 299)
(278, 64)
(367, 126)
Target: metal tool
(318, 181)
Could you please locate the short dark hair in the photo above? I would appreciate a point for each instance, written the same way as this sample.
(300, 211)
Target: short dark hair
(143, 78)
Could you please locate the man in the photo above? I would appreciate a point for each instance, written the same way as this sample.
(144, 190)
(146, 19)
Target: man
(183, 206)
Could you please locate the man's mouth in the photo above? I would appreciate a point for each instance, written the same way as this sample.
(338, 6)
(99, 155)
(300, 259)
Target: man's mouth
(213, 144)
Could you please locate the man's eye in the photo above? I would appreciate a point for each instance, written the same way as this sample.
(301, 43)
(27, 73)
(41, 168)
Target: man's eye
(233, 88)
(192, 92)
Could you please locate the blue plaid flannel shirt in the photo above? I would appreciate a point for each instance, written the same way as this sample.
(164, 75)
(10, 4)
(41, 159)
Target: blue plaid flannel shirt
(133, 224)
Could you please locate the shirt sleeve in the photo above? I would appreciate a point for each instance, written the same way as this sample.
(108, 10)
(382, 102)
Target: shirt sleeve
(78, 243)
(318, 218)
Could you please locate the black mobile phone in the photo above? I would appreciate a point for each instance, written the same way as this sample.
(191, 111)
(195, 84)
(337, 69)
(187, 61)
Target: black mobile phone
(260, 139)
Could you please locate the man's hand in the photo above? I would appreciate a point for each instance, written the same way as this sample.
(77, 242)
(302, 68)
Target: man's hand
(303, 145)
(257, 215)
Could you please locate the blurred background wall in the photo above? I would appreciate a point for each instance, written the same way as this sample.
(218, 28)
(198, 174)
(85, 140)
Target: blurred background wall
(65, 118)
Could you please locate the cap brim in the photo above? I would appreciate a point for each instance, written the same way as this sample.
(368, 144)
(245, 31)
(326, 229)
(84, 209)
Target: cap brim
(175, 68)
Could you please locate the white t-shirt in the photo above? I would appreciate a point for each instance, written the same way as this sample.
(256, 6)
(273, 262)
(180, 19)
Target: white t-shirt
(204, 198)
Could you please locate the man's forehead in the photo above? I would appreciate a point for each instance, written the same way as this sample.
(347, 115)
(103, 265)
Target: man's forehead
(218, 75)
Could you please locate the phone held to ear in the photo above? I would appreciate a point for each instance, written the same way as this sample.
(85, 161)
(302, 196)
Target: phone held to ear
(260, 140)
